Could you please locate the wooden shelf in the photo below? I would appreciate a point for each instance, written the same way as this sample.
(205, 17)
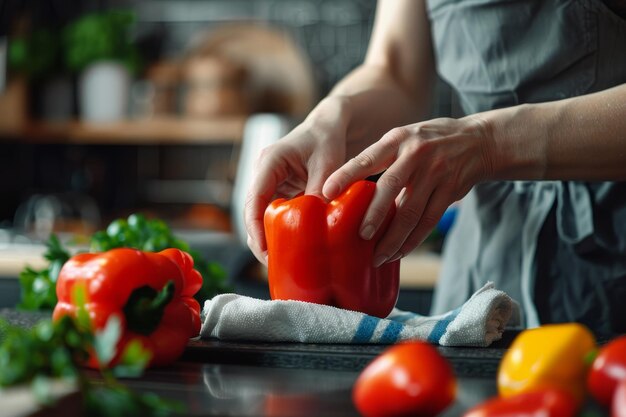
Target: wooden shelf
(225, 130)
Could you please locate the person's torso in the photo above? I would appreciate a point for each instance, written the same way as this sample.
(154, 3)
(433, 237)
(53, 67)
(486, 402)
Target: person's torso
(500, 53)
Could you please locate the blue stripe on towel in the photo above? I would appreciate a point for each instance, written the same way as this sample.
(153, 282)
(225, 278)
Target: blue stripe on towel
(391, 333)
(366, 329)
(442, 325)
(403, 317)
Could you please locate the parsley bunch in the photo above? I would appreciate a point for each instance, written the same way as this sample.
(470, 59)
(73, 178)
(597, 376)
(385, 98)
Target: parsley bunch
(56, 350)
(39, 287)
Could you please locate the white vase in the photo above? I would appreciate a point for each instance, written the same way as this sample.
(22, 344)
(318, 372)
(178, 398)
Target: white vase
(104, 92)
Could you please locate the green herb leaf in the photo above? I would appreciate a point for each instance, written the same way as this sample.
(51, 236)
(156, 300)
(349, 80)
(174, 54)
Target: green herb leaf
(133, 361)
(79, 298)
(38, 291)
(56, 251)
(52, 350)
(43, 350)
(40, 386)
(106, 340)
(38, 288)
(108, 401)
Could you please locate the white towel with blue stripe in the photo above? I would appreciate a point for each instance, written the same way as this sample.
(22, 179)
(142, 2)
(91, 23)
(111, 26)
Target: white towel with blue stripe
(478, 322)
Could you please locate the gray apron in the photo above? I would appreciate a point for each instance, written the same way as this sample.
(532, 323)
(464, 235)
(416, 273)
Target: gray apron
(558, 248)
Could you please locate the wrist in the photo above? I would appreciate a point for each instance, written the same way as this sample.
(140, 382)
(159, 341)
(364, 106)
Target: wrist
(517, 141)
(329, 120)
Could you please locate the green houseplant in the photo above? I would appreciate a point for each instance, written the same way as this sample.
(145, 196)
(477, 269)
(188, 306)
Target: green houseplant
(36, 58)
(102, 36)
(98, 47)
(35, 55)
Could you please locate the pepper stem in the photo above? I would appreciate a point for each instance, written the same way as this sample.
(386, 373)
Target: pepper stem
(591, 356)
(145, 306)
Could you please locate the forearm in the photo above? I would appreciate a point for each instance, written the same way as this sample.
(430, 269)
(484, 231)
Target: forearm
(582, 138)
(393, 86)
(376, 102)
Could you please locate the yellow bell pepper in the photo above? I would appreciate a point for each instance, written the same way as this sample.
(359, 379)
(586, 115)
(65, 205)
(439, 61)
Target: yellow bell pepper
(550, 356)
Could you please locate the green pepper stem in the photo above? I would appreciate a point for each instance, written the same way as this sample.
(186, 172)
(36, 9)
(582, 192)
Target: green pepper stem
(145, 306)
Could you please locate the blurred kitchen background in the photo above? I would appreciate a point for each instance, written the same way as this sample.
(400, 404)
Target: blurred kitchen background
(111, 107)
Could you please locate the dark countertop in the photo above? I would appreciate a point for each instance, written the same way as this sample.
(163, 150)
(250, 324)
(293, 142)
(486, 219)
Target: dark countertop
(218, 389)
(293, 379)
(217, 378)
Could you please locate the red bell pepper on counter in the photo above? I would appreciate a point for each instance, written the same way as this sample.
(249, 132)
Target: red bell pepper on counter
(315, 253)
(546, 402)
(618, 405)
(151, 294)
(608, 370)
(408, 379)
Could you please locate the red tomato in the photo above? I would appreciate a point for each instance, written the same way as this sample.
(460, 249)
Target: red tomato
(407, 379)
(607, 370)
(618, 407)
(547, 402)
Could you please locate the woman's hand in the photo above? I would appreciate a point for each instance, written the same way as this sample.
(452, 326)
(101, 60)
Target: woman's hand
(299, 162)
(391, 88)
(427, 166)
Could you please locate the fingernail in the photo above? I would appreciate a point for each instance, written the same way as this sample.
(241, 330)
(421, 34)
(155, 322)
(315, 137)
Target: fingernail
(395, 258)
(330, 190)
(368, 232)
(379, 260)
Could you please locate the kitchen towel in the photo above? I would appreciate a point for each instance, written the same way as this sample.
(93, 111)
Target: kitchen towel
(478, 322)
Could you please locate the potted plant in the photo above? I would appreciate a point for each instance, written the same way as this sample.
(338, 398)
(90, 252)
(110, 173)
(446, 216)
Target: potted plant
(98, 47)
(36, 57)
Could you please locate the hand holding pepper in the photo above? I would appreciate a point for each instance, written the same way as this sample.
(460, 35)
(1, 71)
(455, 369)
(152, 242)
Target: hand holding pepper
(428, 166)
(298, 163)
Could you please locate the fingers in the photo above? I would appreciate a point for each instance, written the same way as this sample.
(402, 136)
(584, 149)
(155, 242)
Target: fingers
(408, 213)
(396, 243)
(261, 192)
(253, 219)
(259, 254)
(318, 174)
(388, 188)
(372, 160)
(413, 178)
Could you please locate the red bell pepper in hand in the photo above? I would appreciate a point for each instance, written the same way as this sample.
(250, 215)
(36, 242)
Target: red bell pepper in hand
(151, 294)
(315, 253)
(547, 402)
(408, 379)
(607, 370)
